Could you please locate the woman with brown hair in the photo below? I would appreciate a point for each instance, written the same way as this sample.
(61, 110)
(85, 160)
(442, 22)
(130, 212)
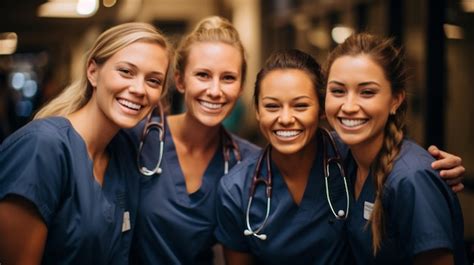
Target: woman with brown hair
(402, 211)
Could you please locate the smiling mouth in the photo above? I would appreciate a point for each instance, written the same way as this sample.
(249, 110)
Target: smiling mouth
(209, 105)
(129, 104)
(287, 133)
(353, 122)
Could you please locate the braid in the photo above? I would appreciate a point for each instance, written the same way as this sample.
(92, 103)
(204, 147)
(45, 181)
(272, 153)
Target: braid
(391, 59)
(394, 134)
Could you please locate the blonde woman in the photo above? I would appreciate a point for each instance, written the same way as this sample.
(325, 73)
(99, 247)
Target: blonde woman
(68, 192)
(177, 214)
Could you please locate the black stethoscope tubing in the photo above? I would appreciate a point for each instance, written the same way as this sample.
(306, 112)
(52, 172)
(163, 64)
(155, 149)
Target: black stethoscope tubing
(256, 179)
(228, 144)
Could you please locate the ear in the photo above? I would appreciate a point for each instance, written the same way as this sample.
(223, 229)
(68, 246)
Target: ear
(178, 80)
(397, 101)
(92, 71)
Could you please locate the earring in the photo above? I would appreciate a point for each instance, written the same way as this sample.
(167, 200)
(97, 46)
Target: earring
(393, 112)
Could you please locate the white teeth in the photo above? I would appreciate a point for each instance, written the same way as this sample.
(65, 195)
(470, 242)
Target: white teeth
(129, 104)
(287, 133)
(211, 105)
(352, 123)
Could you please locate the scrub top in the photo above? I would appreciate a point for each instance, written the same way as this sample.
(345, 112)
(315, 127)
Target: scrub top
(422, 213)
(173, 226)
(46, 162)
(307, 233)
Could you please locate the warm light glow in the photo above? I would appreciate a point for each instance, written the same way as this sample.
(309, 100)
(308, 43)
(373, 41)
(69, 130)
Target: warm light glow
(87, 7)
(340, 33)
(319, 38)
(8, 43)
(68, 8)
(467, 5)
(453, 32)
(109, 3)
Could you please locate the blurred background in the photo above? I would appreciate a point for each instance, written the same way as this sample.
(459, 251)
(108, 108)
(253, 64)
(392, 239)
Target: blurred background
(42, 45)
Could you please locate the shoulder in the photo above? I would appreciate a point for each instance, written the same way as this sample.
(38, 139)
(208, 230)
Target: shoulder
(134, 134)
(239, 177)
(342, 148)
(412, 166)
(247, 149)
(49, 132)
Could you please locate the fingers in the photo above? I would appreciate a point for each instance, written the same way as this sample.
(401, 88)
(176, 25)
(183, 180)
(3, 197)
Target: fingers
(454, 181)
(458, 188)
(447, 161)
(434, 151)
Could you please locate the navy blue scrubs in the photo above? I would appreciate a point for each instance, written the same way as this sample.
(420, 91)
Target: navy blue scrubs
(422, 213)
(46, 162)
(307, 233)
(173, 226)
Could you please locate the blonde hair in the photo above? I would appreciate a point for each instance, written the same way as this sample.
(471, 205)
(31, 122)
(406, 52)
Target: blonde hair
(210, 29)
(76, 95)
(391, 59)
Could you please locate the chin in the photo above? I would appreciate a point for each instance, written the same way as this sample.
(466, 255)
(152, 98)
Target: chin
(211, 121)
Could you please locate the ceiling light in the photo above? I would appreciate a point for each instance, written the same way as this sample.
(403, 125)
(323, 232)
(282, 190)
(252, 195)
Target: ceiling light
(453, 31)
(340, 33)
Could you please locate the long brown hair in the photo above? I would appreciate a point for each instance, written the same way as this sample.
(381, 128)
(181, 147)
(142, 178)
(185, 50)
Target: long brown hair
(391, 59)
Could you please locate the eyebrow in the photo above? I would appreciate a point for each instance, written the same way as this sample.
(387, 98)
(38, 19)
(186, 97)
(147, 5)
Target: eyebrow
(134, 66)
(297, 98)
(360, 84)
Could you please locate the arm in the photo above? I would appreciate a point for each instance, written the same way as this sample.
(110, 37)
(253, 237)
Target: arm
(435, 257)
(450, 166)
(23, 232)
(233, 257)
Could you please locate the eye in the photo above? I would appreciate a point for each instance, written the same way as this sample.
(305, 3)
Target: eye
(271, 107)
(155, 82)
(202, 75)
(125, 71)
(367, 93)
(301, 106)
(229, 78)
(337, 91)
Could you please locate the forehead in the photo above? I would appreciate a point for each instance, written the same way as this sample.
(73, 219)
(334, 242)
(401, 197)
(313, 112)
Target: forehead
(215, 55)
(287, 83)
(143, 53)
(356, 67)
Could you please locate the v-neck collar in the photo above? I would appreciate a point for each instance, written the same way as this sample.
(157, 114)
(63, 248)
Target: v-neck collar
(314, 189)
(214, 170)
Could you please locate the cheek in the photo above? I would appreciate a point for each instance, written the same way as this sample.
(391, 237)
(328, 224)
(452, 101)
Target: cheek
(233, 91)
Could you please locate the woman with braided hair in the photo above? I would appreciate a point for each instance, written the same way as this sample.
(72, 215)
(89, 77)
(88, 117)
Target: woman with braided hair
(402, 211)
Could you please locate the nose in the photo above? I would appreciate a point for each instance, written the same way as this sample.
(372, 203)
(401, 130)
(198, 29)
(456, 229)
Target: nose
(137, 87)
(214, 89)
(350, 104)
(286, 117)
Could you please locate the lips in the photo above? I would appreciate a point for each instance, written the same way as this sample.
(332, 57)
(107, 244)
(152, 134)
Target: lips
(287, 133)
(129, 104)
(211, 105)
(352, 122)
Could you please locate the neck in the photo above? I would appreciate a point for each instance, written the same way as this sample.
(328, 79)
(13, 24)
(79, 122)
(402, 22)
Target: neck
(96, 134)
(296, 165)
(364, 155)
(193, 134)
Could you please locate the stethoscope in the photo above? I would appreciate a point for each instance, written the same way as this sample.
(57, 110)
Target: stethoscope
(336, 159)
(228, 143)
